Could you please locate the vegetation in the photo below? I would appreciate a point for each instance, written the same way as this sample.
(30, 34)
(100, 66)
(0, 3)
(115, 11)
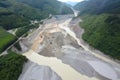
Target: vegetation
(11, 66)
(48, 6)
(17, 46)
(18, 13)
(9, 18)
(25, 29)
(6, 39)
(12, 21)
(102, 25)
(32, 9)
(98, 7)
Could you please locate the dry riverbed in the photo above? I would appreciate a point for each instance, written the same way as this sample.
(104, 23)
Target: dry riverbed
(74, 61)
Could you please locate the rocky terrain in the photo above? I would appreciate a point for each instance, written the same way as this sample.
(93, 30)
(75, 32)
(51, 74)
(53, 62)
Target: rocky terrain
(57, 44)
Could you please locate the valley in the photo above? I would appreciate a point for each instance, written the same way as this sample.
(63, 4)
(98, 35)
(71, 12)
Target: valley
(60, 37)
(53, 40)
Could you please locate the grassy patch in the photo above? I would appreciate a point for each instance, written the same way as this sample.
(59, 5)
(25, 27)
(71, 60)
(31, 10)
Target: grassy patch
(6, 39)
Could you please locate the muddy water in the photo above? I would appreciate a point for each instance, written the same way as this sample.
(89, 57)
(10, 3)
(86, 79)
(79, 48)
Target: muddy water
(63, 70)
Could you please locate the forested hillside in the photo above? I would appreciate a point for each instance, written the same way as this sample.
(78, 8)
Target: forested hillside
(16, 13)
(98, 6)
(101, 21)
(48, 6)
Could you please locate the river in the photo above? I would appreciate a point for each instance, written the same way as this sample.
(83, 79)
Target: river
(66, 72)
(63, 70)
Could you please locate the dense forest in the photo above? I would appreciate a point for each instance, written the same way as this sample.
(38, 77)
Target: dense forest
(98, 7)
(11, 66)
(16, 13)
(101, 21)
(48, 6)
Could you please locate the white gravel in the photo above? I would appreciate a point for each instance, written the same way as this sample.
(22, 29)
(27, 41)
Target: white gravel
(33, 71)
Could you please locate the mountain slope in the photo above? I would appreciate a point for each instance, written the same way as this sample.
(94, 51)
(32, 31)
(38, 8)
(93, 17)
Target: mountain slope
(102, 25)
(98, 6)
(48, 6)
(71, 3)
(24, 10)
